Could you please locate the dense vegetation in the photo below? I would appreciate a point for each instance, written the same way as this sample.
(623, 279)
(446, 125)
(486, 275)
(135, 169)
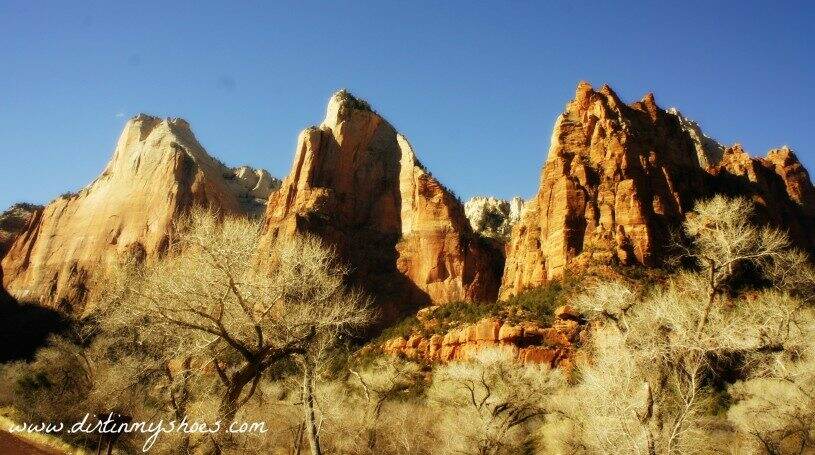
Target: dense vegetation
(694, 361)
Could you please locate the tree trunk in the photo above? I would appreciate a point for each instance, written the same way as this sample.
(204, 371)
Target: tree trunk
(298, 438)
(711, 297)
(229, 403)
(308, 409)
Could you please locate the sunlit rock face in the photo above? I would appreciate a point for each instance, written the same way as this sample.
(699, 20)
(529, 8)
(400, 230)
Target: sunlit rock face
(357, 183)
(493, 217)
(620, 178)
(157, 173)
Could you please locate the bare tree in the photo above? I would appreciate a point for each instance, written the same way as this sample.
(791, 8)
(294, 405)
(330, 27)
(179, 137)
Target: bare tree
(725, 239)
(653, 357)
(775, 405)
(382, 381)
(207, 310)
(493, 403)
(387, 415)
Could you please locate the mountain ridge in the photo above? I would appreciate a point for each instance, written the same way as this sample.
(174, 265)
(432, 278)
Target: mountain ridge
(617, 180)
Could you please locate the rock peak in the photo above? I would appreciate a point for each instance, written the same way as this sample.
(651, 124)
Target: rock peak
(150, 119)
(345, 97)
(649, 101)
(158, 172)
(356, 183)
(342, 105)
(583, 90)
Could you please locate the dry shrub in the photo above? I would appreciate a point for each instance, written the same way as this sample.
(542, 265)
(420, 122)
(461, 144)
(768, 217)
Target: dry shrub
(491, 404)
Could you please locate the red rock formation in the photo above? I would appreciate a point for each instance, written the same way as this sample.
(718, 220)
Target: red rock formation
(620, 178)
(158, 171)
(529, 341)
(356, 183)
(779, 185)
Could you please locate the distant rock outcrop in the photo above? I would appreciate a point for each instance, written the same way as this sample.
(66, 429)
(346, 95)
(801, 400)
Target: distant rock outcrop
(493, 217)
(157, 173)
(708, 151)
(356, 183)
(257, 184)
(620, 178)
(13, 222)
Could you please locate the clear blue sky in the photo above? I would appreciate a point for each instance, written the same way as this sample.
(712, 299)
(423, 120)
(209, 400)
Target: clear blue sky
(475, 86)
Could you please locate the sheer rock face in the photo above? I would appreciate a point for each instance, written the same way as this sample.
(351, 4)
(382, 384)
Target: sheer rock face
(13, 222)
(357, 184)
(158, 171)
(619, 180)
(780, 186)
(493, 217)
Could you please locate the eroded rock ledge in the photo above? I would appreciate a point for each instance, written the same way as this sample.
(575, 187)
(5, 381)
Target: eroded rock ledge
(531, 342)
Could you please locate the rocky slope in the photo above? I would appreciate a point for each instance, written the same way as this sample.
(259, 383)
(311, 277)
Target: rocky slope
(620, 178)
(493, 217)
(158, 171)
(356, 183)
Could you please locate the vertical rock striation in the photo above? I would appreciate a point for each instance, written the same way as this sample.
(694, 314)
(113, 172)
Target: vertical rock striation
(357, 184)
(13, 222)
(620, 178)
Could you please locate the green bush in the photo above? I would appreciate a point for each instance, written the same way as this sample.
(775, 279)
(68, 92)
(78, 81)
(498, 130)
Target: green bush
(466, 312)
(539, 304)
(402, 328)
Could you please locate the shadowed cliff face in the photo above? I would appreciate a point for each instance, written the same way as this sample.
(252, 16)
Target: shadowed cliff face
(619, 180)
(24, 328)
(157, 172)
(357, 184)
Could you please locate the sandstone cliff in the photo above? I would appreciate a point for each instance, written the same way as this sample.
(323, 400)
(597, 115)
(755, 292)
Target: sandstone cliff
(13, 222)
(356, 183)
(157, 172)
(493, 217)
(619, 179)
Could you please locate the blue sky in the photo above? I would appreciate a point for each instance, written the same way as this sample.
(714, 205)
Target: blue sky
(475, 86)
